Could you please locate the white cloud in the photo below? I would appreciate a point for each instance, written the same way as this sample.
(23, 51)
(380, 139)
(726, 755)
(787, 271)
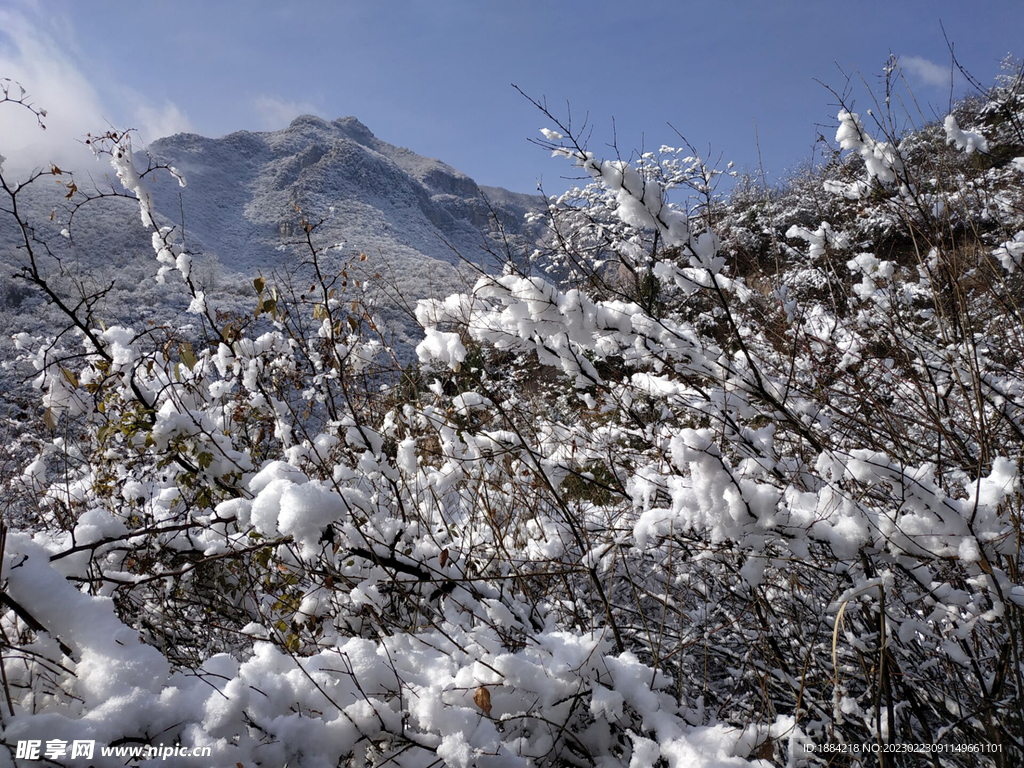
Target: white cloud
(274, 113)
(922, 71)
(156, 122)
(61, 80)
(56, 83)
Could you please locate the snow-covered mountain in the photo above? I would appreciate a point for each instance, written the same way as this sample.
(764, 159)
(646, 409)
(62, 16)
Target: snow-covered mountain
(403, 209)
(247, 193)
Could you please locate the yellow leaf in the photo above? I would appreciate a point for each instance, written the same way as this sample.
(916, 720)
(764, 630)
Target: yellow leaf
(188, 356)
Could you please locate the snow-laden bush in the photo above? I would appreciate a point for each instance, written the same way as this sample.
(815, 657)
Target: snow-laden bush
(716, 483)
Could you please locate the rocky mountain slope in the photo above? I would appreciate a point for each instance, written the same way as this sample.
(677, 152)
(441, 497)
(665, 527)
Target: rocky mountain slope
(383, 200)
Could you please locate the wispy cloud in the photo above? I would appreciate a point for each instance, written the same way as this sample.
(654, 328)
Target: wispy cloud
(61, 80)
(56, 83)
(155, 122)
(921, 71)
(272, 112)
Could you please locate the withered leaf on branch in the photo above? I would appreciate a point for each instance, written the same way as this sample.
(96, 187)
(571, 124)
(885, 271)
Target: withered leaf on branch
(482, 698)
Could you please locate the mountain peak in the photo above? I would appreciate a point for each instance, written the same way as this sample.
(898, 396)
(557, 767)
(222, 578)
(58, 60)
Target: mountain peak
(351, 126)
(303, 121)
(354, 128)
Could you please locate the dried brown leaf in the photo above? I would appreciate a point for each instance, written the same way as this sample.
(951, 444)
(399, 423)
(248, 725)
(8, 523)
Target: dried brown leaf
(482, 698)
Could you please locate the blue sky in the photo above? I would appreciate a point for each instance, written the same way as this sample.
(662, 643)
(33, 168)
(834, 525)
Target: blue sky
(436, 76)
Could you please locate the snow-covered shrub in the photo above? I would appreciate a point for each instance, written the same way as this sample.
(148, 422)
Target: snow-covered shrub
(710, 481)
